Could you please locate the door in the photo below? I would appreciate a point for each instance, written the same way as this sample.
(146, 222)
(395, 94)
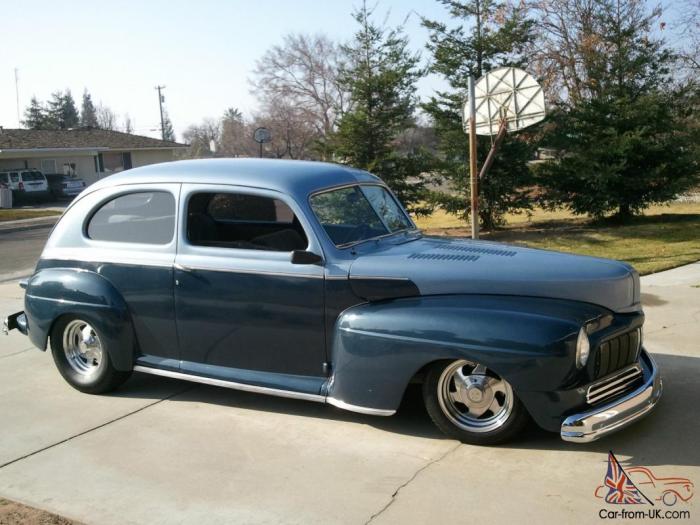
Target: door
(241, 305)
(130, 240)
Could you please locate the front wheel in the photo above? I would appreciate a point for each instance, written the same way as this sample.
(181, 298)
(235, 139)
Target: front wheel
(471, 403)
(82, 358)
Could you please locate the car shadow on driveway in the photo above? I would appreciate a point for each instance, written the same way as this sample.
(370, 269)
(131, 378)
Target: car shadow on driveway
(668, 436)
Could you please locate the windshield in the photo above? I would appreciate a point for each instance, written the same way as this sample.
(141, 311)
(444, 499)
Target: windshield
(357, 213)
(29, 176)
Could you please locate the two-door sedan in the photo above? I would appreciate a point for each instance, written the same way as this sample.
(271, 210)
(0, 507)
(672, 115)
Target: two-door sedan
(309, 280)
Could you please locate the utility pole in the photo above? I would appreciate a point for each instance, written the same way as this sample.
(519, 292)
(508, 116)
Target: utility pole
(19, 124)
(473, 174)
(161, 99)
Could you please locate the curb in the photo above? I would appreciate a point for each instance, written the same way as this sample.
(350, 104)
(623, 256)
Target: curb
(28, 224)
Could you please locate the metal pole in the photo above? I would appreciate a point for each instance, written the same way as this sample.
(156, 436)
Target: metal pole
(261, 150)
(160, 104)
(473, 174)
(19, 122)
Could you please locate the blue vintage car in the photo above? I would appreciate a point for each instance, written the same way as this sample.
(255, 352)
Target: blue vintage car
(309, 280)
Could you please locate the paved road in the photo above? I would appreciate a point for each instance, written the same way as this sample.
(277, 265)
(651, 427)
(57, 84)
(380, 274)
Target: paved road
(20, 251)
(161, 451)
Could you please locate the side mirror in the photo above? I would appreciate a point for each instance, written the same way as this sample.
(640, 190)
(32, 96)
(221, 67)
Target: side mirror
(304, 257)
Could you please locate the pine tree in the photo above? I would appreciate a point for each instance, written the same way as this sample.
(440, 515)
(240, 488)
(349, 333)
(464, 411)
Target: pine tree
(62, 112)
(496, 34)
(168, 131)
(88, 114)
(35, 115)
(628, 143)
(380, 75)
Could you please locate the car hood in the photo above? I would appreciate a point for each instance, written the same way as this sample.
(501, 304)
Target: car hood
(436, 266)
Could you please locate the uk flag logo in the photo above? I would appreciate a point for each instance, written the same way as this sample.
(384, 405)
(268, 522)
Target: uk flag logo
(621, 489)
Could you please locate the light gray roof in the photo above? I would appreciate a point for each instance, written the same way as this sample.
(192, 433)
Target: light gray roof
(294, 177)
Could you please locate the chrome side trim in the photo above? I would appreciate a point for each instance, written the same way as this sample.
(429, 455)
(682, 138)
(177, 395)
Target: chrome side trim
(190, 267)
(361, 410)
(229, 384)
(595, 423)
(263, 390)
(377, 278)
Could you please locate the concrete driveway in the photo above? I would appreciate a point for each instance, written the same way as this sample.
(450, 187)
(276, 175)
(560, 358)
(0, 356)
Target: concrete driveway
(160, 451)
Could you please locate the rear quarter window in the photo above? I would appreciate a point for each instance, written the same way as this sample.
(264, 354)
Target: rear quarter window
(140, 217)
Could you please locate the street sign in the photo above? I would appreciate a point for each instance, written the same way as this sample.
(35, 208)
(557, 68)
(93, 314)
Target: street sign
(508, 95)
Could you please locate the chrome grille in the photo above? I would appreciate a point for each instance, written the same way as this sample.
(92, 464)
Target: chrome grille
(617, 353)
(613, 385)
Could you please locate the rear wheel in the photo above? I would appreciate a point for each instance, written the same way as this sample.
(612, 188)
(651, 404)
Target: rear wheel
(82, 358)
(471, 403)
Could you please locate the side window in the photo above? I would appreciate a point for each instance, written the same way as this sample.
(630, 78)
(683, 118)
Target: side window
(14, 177)
(237, 220)
(143, 217)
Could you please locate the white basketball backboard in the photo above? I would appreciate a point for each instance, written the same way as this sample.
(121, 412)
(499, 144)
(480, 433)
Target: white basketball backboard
(506, 93)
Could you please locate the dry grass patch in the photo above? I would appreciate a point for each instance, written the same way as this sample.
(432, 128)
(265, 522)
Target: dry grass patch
(665, 237)
(17, 214)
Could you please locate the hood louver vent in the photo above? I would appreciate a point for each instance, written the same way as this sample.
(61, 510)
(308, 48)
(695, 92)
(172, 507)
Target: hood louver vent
(443, 257)
(475, 249)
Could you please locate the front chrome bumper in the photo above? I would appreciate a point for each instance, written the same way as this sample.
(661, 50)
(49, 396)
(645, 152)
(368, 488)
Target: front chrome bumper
(614, 415)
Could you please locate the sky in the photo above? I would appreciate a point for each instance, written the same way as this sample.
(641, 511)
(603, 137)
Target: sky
(203, 51)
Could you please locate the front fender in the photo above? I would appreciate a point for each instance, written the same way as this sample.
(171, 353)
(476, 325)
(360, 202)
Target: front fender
(54, 292)
(379, 347)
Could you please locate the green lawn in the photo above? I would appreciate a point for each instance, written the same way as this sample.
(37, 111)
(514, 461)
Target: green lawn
(665, 237)
(16, 214)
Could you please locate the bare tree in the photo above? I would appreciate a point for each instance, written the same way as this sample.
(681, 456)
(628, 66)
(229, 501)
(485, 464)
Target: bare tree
(128, 124)
(106, 118)
(200, 138)
(302, 72)
(293, 136)
(566, 42)
(573, 51)
(688, 35)
(236, 138)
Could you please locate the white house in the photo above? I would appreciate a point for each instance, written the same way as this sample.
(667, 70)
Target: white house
(88, 153)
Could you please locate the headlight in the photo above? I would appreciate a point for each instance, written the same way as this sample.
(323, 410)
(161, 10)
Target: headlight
(583, 348)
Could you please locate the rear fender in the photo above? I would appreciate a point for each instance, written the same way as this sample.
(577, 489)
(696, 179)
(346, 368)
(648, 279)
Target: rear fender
(55, 292)
(379, 347)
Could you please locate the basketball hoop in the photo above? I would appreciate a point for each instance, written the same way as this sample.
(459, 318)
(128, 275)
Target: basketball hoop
(504, 100)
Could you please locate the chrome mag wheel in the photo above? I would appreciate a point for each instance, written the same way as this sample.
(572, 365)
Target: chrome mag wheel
(82, 347)
(474, 398)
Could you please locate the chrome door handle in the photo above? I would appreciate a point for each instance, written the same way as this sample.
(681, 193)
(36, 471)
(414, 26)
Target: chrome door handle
(182, 268)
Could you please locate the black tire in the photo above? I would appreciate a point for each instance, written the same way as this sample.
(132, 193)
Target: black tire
(512, 424)
(99, 379)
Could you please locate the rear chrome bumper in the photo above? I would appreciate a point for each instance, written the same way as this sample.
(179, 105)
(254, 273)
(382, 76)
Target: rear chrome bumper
(18, 321)
(618, 413)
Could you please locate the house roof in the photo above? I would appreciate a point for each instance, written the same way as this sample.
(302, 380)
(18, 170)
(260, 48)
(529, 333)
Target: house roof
(74, 139)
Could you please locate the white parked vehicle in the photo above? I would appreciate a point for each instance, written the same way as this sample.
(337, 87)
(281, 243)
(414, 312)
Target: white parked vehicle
(25, 184)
